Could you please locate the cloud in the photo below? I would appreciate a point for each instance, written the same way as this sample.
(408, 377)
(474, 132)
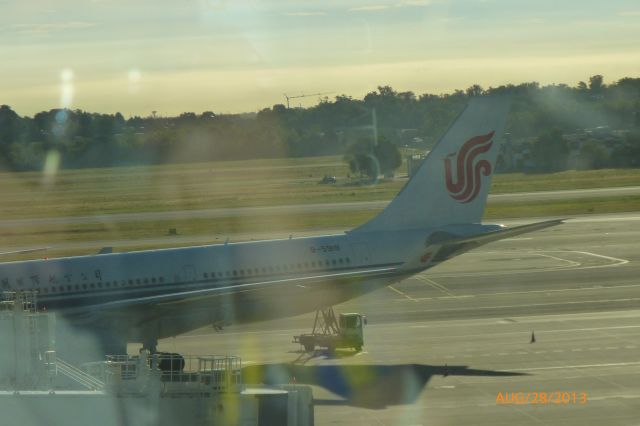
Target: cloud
(304, 14)
(47, 29)
(634, 13)
(417, 3)
(403, 3)
(369, 8)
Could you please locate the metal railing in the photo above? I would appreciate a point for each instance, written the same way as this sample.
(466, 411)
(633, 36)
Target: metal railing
(78, 375)
(28, 299)
(175, 373)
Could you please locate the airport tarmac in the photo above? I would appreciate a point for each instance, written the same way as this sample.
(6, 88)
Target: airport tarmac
(448, 346)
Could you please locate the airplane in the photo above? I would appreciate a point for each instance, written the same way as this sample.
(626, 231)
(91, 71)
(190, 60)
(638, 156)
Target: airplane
(144, 296)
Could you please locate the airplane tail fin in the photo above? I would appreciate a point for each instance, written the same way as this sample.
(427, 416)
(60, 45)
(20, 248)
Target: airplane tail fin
(452, 184)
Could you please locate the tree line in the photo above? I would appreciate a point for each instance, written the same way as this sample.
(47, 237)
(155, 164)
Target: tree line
(339, 126)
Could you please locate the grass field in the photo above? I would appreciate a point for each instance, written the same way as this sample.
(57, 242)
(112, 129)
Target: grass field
(235, 184)
(241, 184)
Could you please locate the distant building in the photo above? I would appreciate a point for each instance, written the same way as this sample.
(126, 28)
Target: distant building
(413, 163)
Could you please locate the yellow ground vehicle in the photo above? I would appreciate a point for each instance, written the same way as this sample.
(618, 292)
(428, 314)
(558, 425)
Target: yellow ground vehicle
(331, 333)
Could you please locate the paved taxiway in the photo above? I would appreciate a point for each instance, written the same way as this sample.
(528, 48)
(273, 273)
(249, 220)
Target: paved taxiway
(440, 347)
(303, 208)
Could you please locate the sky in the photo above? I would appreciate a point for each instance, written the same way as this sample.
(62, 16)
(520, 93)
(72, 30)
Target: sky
(139, 56)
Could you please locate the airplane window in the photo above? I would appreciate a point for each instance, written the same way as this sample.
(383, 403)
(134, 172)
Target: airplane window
(84, 286)
(220, 274)
(333, 261)
(235, 273)
(228, 273)
(241, 271)
(69, 288)
(153, 280)
(348, 260)
(161, 279)
(130, 282)
(92, 285)
(77, 287)
(53, 289)
(99, 285)
(61, 288)
(146, 280)
(326, 262)
(138, 281)
(107, 284)
(205, 275)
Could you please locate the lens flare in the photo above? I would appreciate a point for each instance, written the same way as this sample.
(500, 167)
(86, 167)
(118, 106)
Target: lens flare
(66, 88)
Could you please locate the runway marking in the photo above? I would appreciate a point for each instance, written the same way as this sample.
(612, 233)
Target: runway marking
(532, 305)
(554, 290)
(572, 267)
(615, 259)
(613, 327)
(435, 285)
(401, 293)
(510, 293)
(570, 262)
(463, 296)
(600, 398)
(517, 239)
(561, 367)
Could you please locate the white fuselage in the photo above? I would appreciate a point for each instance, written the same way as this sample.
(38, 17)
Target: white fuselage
(228, 283)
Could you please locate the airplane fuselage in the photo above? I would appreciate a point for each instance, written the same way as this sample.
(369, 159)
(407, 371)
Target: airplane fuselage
(225, 283)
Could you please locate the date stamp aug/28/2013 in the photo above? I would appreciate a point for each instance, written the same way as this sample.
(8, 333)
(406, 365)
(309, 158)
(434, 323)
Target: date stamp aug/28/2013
(542, 398)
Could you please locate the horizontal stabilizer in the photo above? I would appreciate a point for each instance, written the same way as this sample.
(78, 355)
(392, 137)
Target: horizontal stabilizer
(457, 246)
(510, 232)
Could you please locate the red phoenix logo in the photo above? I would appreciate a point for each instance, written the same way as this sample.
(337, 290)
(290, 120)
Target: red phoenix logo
(468, 180)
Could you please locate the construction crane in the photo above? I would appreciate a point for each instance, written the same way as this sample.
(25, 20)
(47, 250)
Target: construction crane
(305, 96)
